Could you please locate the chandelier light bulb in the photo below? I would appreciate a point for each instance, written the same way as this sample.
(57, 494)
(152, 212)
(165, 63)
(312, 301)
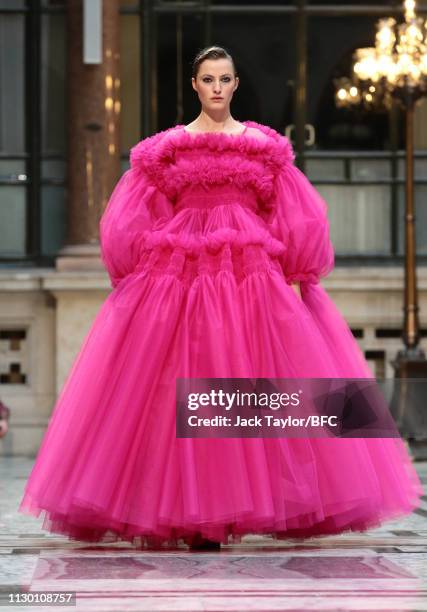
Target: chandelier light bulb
(409, 9)
(385, 64)
(366, 64)
(414, 33)
(385, 37)
(415, 74)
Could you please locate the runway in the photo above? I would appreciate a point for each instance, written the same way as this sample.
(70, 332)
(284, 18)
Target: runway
(385, 569)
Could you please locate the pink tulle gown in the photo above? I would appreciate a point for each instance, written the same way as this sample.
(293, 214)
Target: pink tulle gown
(202, 237)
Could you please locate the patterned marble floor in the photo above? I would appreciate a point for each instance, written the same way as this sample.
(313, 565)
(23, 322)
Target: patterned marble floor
(383, 570)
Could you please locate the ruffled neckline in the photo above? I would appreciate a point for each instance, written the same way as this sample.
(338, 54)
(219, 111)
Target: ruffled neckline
(220, 141)
(161, 147)
(225, 133)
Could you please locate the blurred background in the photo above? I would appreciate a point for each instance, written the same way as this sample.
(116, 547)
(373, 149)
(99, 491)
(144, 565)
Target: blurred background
(83, 81)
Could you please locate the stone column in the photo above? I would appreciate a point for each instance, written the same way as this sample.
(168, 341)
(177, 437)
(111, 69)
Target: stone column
(93, 114)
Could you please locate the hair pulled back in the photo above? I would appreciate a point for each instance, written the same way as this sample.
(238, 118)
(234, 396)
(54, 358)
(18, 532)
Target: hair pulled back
(212, 52)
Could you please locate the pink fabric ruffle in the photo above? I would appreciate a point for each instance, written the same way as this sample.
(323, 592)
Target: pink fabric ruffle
(246, 162)
(213, 241)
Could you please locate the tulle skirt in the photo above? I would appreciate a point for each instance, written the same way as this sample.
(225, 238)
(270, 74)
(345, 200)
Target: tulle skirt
(110, 466)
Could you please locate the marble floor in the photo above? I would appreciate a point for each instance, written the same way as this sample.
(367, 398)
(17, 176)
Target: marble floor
(383, 570)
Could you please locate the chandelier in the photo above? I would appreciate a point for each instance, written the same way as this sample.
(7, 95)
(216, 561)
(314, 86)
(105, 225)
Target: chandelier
(396, 64)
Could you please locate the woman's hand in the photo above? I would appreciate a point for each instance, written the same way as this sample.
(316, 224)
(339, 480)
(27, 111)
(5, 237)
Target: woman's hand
(296, 287)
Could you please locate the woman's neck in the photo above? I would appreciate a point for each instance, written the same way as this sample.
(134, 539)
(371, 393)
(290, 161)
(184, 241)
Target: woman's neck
(207, 123)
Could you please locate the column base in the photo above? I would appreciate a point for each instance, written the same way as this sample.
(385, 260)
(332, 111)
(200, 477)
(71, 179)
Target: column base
(79, 257)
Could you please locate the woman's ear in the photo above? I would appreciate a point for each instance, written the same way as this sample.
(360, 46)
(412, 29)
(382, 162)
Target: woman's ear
(237, 83)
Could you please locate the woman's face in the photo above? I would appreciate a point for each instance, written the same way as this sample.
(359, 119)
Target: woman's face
(215, 83)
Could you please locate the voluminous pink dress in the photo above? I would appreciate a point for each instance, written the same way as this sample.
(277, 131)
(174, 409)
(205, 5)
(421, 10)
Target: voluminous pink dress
(202, 237)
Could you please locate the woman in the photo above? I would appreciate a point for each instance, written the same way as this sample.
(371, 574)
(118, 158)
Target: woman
(205, 238)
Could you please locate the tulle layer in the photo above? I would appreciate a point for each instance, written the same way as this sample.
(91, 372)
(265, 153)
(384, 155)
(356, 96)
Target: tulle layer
(198, 234)
(194, 244)
(126, 476)
(187, 265)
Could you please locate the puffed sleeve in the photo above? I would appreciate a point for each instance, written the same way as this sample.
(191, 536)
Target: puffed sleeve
(135, 206)
(299, 218)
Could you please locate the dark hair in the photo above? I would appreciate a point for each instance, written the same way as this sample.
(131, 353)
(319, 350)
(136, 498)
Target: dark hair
(212, 52)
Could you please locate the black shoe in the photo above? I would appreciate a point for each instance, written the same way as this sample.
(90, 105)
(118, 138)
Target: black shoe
(204, 544)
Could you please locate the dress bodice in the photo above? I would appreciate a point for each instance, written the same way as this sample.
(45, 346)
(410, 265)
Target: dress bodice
(196, 196)
(197, 169)
(235, 200)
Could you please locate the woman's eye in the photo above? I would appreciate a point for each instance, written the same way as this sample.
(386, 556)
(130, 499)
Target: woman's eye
(208, 80)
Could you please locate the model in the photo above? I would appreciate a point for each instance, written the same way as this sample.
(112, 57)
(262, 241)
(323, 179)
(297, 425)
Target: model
(215, 243)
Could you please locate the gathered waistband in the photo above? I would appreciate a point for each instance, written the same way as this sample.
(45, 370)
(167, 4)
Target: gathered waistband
(216, 197)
